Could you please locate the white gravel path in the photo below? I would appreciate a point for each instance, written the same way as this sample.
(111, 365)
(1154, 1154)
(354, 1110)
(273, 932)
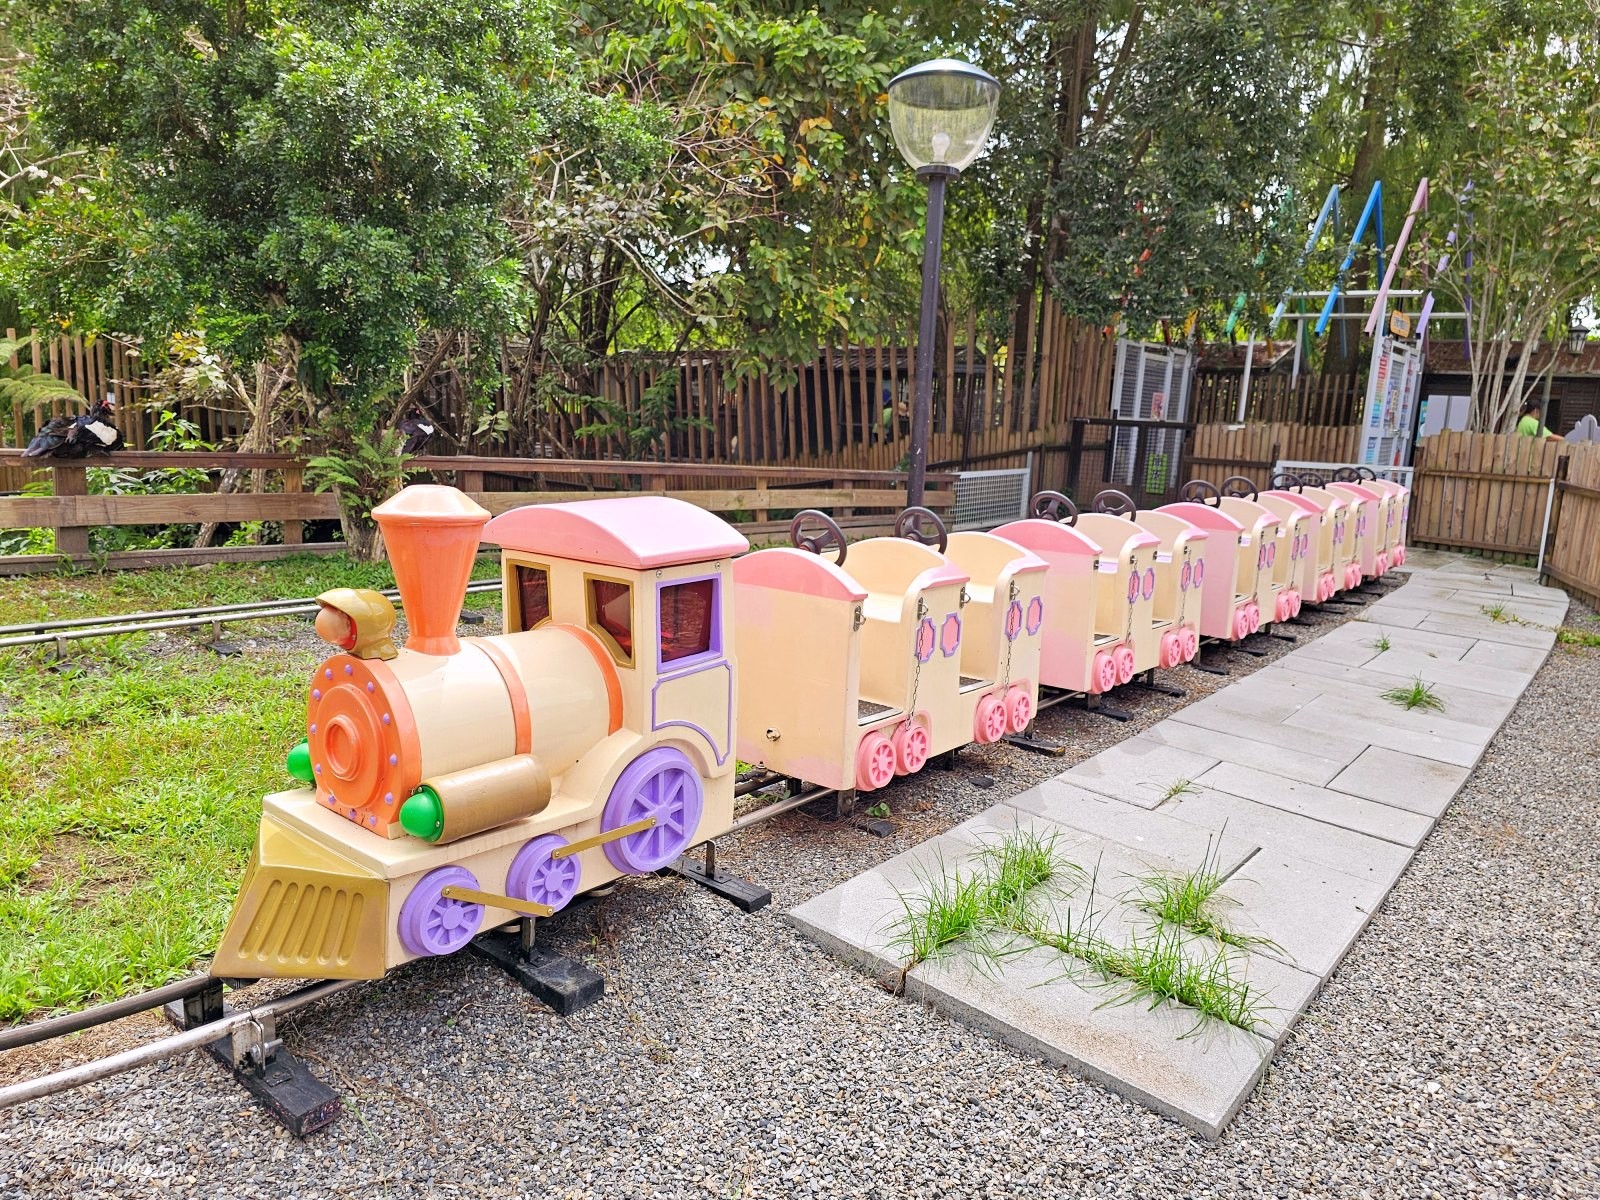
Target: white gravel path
(1455, 1053)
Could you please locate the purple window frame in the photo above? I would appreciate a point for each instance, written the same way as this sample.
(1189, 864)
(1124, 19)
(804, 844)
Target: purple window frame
(705, 657)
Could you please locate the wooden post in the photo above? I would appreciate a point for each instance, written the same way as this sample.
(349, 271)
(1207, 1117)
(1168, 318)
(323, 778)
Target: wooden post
(294, 532)
(70, 481)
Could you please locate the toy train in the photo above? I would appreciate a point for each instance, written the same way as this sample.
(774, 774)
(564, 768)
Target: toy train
(455, 784)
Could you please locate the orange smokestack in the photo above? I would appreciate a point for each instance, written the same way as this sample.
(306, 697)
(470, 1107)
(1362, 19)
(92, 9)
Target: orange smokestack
(432, 533)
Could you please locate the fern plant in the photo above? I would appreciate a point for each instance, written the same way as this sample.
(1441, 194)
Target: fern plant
(24, 385)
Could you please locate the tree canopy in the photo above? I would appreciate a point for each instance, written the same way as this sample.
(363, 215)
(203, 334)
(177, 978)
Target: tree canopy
(356, 187)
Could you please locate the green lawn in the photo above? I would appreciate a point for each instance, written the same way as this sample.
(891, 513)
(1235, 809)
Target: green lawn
(131, 774)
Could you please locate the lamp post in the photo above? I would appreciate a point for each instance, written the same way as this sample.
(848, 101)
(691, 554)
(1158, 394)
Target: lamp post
(941, 113)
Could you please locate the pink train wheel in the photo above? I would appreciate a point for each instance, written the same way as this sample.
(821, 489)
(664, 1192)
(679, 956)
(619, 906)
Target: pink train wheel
(537, 875)
(1399, 556)
(1171, 653)
(910, 742)
(1281, 606)
(1102, 673)
(874, 762)
(989, 722)
(1241, 623)
(1123, 657)
(1191, 642)
(1254, 610)
(1019, 708)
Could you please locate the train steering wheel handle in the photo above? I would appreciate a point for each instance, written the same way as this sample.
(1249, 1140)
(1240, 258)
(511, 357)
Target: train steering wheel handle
(1347, 475)
(1116, 504)
(818, 541)
(1203, 491)
(1312, 479)
(1239, 487)
(922, 525)
(1050, 506)
(1366, 474)
(1283, 480)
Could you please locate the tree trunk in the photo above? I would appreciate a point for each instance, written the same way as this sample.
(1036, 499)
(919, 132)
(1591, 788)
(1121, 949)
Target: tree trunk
(362, 540)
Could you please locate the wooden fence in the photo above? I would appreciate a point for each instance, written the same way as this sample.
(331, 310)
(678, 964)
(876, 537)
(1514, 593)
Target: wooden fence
(1215, 452)
(1274, 397)
(759, 501)
(851, 407)
(1512, 497)
(1483, 492)
(1573, 555)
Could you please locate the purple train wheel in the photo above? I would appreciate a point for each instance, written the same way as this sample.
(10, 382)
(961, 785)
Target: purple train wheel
(537, 875)
(661, 783)
(432, 924)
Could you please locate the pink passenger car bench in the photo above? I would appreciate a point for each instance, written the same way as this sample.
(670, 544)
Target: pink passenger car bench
(1280, 547)
(1305, 520)
(1225, 609)
(1339, 550)
(798, 647)
(1179, 576)
(1000, 632)
(1367, 506)
(1073, 657)
(1392, 508)
(1125, 598)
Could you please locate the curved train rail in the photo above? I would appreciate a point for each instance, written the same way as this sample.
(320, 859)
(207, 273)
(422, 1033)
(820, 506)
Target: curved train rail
(59, 632)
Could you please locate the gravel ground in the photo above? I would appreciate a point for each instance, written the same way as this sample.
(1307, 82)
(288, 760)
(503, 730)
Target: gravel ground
(1454, 1053)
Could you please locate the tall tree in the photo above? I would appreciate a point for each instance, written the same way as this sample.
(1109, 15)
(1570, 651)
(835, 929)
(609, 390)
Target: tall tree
(1524, 200)
(325, 178)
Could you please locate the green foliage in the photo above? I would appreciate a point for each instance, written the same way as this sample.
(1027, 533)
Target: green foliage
(1415, 694)
(643, 430)
(327, 177)
(1521, 195)
(1171, 202)
(23, 385)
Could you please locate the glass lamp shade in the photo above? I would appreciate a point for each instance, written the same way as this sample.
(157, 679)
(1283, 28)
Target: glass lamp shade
(1577, 334)
(941, 112)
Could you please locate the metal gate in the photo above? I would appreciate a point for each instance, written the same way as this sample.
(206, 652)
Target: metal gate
(1150, 400)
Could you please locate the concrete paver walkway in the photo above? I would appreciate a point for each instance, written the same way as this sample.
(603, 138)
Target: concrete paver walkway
(1312, 791)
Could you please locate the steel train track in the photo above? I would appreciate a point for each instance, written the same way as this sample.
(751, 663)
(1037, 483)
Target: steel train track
(44, 633)
(251, 1032)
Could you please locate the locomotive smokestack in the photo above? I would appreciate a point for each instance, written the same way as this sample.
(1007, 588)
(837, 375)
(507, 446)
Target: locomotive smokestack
(432, 534)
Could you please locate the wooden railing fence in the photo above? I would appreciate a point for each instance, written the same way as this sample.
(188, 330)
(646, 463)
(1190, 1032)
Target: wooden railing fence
(849, 408)
(760, 500)
(1483, 492)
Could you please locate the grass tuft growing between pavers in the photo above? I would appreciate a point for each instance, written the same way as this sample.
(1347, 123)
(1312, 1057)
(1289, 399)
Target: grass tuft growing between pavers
(1001, 908)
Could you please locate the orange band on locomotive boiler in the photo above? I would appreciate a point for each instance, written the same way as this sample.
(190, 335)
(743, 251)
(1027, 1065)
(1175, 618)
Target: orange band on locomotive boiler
(608, 671)
(516, 692)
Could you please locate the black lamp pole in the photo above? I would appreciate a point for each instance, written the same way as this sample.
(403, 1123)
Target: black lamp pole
(937, 175)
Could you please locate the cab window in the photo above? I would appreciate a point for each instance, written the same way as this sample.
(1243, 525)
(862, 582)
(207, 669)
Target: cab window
(533, 596)
(611, 616)
(688, 619)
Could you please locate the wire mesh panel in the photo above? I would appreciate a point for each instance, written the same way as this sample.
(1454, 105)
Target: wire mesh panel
(1151, 384)
(985, 499)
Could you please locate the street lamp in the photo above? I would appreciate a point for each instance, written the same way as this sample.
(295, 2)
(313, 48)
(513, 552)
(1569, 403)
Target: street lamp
(941, 113)
(1577, 335)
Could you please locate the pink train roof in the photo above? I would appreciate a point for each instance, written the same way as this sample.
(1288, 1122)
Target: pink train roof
(1360, 490)
(629, 531)
(788, 569)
